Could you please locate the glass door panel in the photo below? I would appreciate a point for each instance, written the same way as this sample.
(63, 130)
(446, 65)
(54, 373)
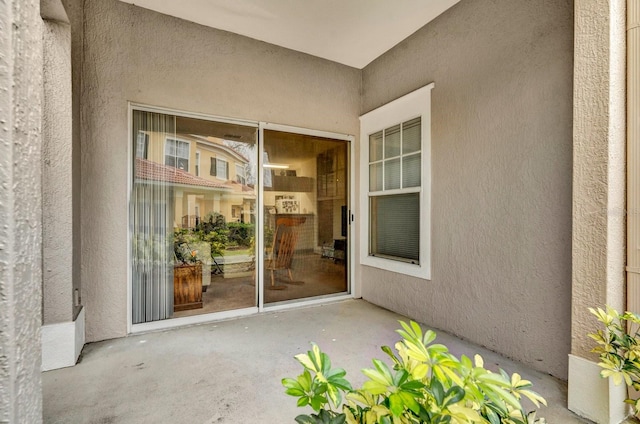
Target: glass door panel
(193, 216)
(305, 216)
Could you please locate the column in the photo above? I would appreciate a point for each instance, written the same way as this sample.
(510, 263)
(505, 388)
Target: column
(20, 211)
(598, 198)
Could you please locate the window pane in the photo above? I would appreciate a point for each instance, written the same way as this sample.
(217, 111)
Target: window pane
(141, 145)
(181, 223)
(170, 147)
(375, 147)
(375, 177)
(392, 142)
(182, 150)
(395, 227)
(222, 170)
(306, 224)
(411, 136)
(411, 171)
(183, 164)
(392, 174)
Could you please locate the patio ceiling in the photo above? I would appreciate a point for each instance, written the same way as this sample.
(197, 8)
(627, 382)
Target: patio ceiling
(351, 32)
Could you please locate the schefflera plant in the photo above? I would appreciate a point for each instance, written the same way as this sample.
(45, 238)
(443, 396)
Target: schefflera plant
(618, 347)
(425, 384)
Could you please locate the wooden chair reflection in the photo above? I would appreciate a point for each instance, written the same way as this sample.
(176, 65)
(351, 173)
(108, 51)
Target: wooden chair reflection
(285, 239)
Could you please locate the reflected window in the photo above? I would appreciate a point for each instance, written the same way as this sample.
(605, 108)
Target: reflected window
(219, 168)
(176, 153)
(240, 174)
(142, 144)
(192, 234)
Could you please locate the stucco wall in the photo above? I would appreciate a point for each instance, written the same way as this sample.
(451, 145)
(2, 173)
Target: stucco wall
(20, 211)
(57, 231)
(599, 166)
(132, 54)
(501, 175)
(74, 12)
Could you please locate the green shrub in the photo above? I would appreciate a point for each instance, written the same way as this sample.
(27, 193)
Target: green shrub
(426, 384)
(212, 230)
(619, 348)
(240, 234)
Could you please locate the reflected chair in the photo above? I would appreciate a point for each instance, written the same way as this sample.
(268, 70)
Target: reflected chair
(285, 239)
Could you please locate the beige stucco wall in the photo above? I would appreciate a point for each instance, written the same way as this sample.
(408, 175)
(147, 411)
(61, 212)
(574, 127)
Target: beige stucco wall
(599, 166)
(501, 176)
(57, 210)
(132, 54)
(75, 16)
(21, 32)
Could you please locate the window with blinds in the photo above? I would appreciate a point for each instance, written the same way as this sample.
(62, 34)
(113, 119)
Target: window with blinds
(394, 192)
(395, 178)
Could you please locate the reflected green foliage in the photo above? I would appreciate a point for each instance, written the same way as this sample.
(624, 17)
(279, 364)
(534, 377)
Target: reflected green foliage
(240, 234)
(212, 229)
(424, 384)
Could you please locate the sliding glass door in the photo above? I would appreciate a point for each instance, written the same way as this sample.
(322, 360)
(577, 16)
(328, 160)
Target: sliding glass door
(305, 216)
(194, 224)
(193, 216)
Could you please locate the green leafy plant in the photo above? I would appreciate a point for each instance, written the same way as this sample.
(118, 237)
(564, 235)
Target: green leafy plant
(425, 384)
(213, 230)
(618, 346)
(240, 234)
(183, 241)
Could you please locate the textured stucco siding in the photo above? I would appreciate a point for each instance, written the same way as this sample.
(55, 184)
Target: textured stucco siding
(75, 16)
(57, 184)
(501, 176)
(599, 166)
(20, 211)
(132, 54)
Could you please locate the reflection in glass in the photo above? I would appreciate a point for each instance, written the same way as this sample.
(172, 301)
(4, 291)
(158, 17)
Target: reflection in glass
(193, 215)
(305, 218)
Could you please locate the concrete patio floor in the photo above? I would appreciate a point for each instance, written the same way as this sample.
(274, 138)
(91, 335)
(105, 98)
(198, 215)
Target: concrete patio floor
(230, 371)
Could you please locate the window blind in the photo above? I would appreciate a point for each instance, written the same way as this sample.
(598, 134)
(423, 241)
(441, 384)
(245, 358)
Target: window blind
(395, 226)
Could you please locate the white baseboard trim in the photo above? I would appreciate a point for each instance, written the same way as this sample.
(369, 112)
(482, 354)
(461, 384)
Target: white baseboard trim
(594, 397)
(62, 343)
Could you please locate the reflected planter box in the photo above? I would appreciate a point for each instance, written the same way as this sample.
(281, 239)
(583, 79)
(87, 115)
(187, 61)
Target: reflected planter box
(187, 287)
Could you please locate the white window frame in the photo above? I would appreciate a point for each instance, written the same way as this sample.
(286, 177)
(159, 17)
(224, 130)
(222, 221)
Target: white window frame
(412, 105)
(240, 166)
(226, 168)
(177, 139)
(197, 163)
(142, 144)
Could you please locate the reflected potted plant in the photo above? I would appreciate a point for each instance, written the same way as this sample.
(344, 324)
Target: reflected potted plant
(187, 272)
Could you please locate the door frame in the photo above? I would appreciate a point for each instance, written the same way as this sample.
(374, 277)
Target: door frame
(350, 205)
(260, 306)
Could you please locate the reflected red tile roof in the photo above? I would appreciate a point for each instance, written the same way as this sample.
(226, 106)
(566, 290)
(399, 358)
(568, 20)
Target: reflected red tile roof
(152, 171)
